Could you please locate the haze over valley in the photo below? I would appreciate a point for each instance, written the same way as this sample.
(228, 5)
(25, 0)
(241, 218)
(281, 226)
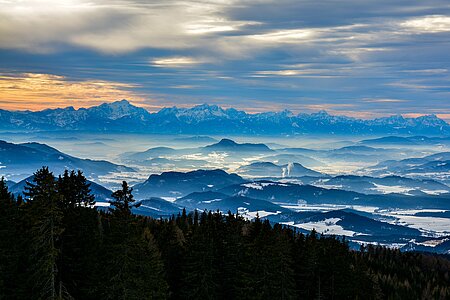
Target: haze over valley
(337, 183)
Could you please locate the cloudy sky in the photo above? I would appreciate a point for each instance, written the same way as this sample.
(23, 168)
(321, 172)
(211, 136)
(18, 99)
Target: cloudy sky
(360, 58)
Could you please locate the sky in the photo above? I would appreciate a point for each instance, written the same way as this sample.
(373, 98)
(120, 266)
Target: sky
(348, 57)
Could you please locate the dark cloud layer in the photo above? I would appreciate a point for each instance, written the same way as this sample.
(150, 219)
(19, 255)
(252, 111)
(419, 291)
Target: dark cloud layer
(364, 58)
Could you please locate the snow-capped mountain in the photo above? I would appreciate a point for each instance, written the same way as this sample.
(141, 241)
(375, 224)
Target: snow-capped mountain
(118, 110)
(200, 113)
(211, 119)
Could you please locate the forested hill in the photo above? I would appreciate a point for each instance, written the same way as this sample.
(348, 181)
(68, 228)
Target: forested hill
(55, 245)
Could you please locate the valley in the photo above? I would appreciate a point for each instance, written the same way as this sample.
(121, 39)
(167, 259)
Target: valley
(390, 191)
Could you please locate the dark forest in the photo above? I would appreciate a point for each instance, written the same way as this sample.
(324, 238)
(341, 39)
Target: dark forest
(54, 244)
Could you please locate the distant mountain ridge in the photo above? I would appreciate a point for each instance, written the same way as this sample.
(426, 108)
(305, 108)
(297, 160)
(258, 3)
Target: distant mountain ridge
(230, 145)
(268, 169)
(208, 119)
(177, 184)
(21, 160)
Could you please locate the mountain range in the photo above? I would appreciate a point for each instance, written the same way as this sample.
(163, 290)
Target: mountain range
(209, 185)
(407, 141)
(122, 116)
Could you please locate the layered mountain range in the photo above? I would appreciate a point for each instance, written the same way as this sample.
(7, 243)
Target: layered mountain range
(21, 160)
(211, 119)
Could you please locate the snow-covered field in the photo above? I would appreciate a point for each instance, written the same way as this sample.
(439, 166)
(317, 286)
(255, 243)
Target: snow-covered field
(429, 226)
(390, 189)
(302, 206)
(327, 226)
(261, 185)
(253, 214)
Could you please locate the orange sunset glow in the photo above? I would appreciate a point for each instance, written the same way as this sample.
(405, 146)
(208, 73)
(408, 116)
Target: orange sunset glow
(32, 91)
(35, 91)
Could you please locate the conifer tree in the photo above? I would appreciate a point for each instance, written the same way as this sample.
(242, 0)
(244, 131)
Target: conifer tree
(133, 266)
(123, 201)
(200, 273)
(75, 190)
(233, 264)
(172, 243)
(80, 239)
(46, 228)
(9, 240)
(270, 273)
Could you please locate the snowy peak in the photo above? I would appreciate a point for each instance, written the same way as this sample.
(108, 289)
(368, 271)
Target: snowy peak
(213, 119)
(431, 120)
(117, 110)
(200, 113)
(321, 114)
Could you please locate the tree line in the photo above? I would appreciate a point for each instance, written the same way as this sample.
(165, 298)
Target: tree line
(54, 244)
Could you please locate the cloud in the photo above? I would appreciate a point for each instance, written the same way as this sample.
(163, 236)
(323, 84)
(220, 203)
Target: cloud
(174, 62)
(112, 27)
(283, 72)
(384, 100)
(209, 26)
(369, 54)
(428, 24)
(212, 28)
(427, 71)
(185, 86)
(418, 85)
(285, 36)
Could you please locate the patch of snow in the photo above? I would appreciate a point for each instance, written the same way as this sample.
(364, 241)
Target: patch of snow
(430, 243)
(435, 192)
(327, 226)
(330, 186)
(249, 215)
(261, 213)
(427, 225)
(150, 207)
(261, 185)
(211, 201)
(102, 204)
(252, 185)
(170, 199)
(390, 189)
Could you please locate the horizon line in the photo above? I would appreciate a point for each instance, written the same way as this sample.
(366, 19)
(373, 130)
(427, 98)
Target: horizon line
(312, 112)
